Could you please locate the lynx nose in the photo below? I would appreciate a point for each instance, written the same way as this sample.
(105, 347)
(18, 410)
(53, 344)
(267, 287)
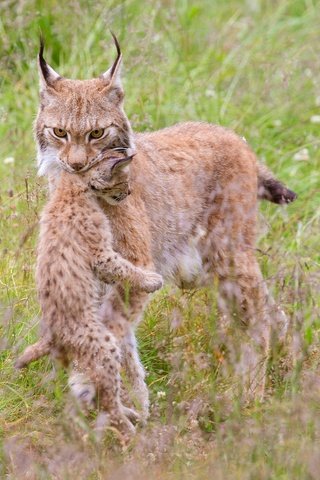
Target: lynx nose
(77, 166)
(76, 157)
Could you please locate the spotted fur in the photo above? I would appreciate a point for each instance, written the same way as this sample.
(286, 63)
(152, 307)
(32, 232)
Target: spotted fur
(75, 253)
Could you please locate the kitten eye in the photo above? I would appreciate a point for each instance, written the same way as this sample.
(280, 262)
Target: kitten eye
(59, 132)
(96, 133)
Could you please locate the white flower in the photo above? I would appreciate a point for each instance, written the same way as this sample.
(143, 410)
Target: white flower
(210, 93)
(277, 123)
(302, 154)
(156, 37)
(161, 394)
(315, 119)
(8, 160)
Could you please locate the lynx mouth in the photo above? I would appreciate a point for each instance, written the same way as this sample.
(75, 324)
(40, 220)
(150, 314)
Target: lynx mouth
(106, 194)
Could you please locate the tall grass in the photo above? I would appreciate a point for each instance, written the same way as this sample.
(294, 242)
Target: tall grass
(253, 66)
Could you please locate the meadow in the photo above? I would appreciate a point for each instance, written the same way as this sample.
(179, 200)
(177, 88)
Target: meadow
(253, 66)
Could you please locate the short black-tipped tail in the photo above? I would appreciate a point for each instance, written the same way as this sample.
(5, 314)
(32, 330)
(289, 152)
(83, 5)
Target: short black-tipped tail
(270, 188)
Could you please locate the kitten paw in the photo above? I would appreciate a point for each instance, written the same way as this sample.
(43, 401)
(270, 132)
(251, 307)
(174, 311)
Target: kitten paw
(151, 282)
(131, 414)
(83, 391)
(119, 423)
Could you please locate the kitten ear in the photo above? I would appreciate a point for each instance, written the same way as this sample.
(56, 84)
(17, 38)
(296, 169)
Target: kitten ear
(112, 76)
(46, 73)
(120, 163)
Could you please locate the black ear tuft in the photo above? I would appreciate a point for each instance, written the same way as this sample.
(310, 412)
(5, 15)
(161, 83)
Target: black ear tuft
(48, 76)
(41, 45)
(43, 64)
(111, 78)
(114, 66)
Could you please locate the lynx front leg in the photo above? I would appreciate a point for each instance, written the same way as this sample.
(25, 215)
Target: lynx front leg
(136, 372)
(112, 268)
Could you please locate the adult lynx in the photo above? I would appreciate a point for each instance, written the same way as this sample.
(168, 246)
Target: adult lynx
(193, 204)
(74, 254)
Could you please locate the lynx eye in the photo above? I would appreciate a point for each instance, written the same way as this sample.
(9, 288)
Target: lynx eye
(59, 132)
(96, 133)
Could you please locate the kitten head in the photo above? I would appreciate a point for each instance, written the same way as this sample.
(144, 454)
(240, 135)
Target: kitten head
(109, 178)
(77, 119)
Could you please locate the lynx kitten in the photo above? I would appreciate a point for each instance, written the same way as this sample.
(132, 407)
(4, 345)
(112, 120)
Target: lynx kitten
(74, 254)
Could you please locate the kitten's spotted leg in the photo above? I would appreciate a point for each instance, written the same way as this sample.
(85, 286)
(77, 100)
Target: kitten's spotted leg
(113, 268)
(122, 319)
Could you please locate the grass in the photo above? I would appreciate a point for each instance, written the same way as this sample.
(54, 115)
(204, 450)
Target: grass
(252, 66)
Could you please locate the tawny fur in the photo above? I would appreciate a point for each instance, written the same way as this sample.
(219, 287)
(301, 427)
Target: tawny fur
(75, 253)
(192, 212)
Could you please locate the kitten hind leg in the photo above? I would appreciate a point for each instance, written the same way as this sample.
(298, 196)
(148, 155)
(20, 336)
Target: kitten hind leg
(98, 357)
(121, 319)
(115, 317)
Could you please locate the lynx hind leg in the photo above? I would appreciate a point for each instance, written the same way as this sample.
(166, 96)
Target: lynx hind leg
(242, 285)
(112, 267)
(84, 392)
(97, 356)
(136, 373)
(33, 352)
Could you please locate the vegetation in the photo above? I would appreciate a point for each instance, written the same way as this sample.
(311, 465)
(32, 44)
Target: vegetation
(252, 66)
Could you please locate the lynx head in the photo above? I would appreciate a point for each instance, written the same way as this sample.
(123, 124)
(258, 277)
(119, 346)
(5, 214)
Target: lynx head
(77, 119)
(109, 177)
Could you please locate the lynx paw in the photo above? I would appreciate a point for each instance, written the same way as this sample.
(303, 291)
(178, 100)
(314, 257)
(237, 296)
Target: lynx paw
(125, 427)
(151, 282)
(83, 391)
(131, 414)
(119, 422)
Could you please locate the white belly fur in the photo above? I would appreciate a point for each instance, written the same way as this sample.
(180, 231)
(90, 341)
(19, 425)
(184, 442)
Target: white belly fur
(185, 268)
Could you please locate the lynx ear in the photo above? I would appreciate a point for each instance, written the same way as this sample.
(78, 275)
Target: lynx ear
(112, 76)
(47, 75)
